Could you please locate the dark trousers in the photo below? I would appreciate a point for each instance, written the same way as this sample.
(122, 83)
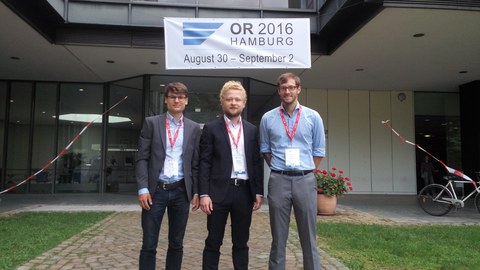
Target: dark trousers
(239, 204)
(176, 202)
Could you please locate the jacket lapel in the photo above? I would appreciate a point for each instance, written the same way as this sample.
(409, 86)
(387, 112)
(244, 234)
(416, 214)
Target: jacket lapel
(223, 128)
(246, 134)
(163, 130)
(187, 133)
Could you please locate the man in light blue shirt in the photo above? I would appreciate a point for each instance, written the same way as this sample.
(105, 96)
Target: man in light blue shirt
(292, 141)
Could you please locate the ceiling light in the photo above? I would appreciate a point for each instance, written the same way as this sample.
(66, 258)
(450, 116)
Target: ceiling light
(81, 90)
(87, 118)
(418, 35)
(427, 135)
(11, 101)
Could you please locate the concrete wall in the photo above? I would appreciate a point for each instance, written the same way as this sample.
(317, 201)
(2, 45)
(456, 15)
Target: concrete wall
(358, 143)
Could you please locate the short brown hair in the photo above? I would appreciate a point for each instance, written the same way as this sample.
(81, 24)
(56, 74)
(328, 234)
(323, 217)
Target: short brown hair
(175, 88)
(286, 76)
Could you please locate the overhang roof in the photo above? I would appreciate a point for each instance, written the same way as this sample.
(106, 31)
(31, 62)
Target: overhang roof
(380, 54)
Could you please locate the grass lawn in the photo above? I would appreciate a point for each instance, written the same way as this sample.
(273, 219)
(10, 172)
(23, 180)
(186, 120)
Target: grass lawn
(26, 235)
(360, 246)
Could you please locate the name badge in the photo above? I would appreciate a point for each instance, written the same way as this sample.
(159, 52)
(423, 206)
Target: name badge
(238, 163)
(292, 157)
(170, 168)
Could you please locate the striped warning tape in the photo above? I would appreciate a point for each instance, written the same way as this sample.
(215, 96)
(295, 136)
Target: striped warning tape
(48, 165)
(450, 170)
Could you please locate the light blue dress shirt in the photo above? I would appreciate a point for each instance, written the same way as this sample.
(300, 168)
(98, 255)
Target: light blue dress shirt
(309, 137)
(177, 152)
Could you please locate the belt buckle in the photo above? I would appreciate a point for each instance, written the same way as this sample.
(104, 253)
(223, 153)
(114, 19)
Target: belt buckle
(236, 182)
(164, 186)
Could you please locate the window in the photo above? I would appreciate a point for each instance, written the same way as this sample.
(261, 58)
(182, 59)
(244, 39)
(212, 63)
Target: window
(79, 169)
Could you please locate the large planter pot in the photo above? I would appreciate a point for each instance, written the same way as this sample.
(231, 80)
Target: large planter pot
(326, 205)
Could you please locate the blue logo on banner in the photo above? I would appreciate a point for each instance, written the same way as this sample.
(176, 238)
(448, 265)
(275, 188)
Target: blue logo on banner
(195, 33)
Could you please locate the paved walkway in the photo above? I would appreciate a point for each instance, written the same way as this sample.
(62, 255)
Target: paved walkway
(114, 243)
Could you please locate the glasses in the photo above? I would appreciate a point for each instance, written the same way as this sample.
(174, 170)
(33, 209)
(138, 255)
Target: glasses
(287, 87)
(177, 97)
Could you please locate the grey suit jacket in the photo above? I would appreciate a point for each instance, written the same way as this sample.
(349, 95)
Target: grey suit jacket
(151, 153)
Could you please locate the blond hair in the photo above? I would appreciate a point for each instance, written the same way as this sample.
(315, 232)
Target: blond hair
(233, 85)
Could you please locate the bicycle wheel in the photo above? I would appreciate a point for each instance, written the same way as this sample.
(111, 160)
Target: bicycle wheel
(477, 201)
(435, 199)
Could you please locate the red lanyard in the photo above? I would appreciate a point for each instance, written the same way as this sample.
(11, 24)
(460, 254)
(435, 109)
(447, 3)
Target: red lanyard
(231, 134)
(169, 133)
(290, 135)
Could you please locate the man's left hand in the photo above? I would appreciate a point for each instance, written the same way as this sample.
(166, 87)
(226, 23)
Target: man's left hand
(257, 203)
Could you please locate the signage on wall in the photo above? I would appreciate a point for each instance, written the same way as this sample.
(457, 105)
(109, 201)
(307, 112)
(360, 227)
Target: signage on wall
(220, 43)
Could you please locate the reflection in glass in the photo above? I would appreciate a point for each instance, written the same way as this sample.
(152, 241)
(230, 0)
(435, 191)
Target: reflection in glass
(18, 135)
(43, 144)
(301, 4)
(123, 136)
(263, 97)
(437, 130)
(203, 101)
(3, 104)
(79, 170)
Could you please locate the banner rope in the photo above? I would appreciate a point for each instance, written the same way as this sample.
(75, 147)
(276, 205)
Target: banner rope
(450, 170)
(49, 164)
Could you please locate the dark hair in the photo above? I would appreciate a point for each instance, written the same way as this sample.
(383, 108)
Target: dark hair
(286, 76)
(175, 88)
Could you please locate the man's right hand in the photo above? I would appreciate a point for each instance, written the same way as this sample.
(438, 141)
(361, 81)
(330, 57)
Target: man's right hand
(206, 204)
(145, 201)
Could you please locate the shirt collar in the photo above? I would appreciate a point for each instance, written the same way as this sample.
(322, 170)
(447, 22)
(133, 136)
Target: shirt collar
(229, 122)
(172, 119)
(296, 107)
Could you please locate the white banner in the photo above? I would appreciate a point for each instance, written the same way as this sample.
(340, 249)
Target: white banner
(219, 43)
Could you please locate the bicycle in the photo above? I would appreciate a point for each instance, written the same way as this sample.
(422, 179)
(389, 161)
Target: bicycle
(438, 200)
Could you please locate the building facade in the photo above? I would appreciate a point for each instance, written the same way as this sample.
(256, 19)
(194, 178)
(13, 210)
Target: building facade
(66, 60)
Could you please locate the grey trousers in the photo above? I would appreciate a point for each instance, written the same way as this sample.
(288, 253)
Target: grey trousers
(301, 193)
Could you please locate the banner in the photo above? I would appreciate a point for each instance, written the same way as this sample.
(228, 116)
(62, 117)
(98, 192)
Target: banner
(222, 43)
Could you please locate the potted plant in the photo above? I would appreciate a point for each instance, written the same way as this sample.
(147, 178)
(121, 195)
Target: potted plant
(330, 185)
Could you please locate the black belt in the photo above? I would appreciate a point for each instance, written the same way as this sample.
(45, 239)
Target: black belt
(293, 173)
(170, 186)
(238, 182)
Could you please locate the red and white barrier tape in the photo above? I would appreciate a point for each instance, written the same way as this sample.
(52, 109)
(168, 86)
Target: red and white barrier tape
(63, 151)
(450, 170)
